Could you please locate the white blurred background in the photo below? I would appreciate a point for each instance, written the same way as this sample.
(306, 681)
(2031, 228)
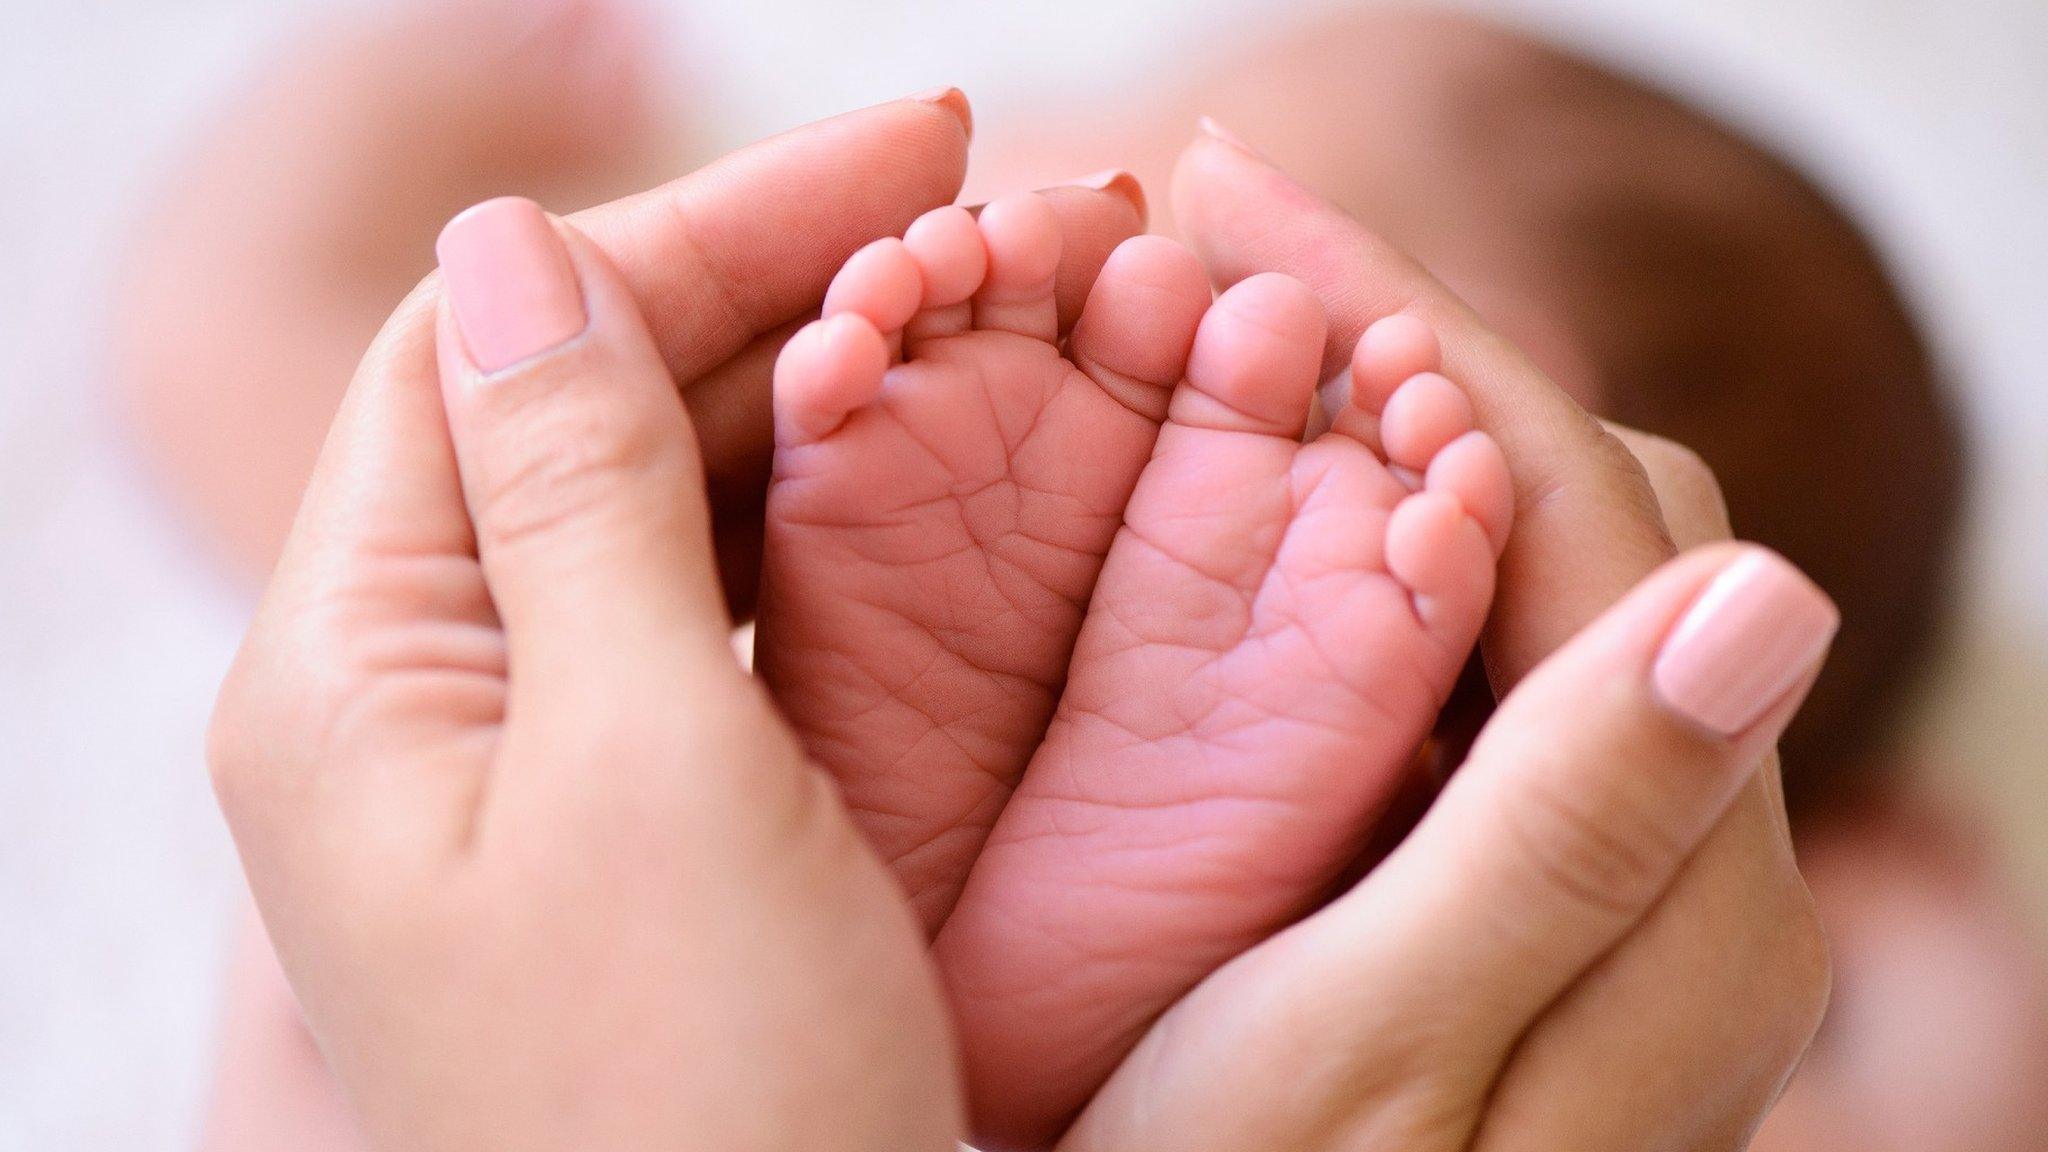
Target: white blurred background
(117, 884)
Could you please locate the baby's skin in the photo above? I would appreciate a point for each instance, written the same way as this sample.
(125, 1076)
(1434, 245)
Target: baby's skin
(1114, 669)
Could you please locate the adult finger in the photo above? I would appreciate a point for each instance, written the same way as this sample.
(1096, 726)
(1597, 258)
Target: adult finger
(381, 543)
(1597, 780)
(1688, 495)
(580, 471)
(1586, 523)
(1682, 1036)
(749, 242)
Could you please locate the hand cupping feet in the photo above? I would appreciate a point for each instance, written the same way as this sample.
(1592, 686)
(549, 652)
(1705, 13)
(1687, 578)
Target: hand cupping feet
(1112, 668)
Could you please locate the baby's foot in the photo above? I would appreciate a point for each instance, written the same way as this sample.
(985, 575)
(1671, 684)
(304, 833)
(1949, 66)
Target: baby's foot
(1272, 636)
(946, 485)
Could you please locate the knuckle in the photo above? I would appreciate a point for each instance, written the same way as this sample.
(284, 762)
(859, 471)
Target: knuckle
(1799, 975)
(1685, 485)
(1619, 464)
(1591, 853)
(231, 754)
(1662, 457)
(269, 716)
(563, 466)
(1606, 470)
(323, 668)
(269, 724)
(1779, 971)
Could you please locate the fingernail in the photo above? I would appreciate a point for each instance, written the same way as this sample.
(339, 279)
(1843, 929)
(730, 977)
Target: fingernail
(1279, 184)
(1217, 131)
(1757, 629)
(952, 100)
(510, 282)
(1117, 181)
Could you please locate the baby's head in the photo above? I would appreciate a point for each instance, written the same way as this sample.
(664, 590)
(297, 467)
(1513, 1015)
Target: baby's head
(1675, 277)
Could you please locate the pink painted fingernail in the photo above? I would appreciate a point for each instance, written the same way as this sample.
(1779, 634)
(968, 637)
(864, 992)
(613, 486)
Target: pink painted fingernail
(1757, 629)
(1216, 131)
(952, 100)
(1279, 186)
(510, 282)
(1116, 181)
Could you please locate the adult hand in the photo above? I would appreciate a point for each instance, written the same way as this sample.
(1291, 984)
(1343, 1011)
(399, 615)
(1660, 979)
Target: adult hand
(544, 866)
(577, 850)
(725, 263)
(1597, 938)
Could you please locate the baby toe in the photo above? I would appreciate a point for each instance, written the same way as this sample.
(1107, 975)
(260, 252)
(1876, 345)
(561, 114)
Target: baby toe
(1443, 557)
(1022, 236)
(947, 246)
(1255, 360)
(1139, 324)
(1391, 351)
(827, 370)
(1423, 415)
(881, 282)
(1474, 471)
(946, 243)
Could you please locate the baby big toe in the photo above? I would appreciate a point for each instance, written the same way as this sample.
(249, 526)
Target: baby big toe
(1138, 326)
(1255, 360)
